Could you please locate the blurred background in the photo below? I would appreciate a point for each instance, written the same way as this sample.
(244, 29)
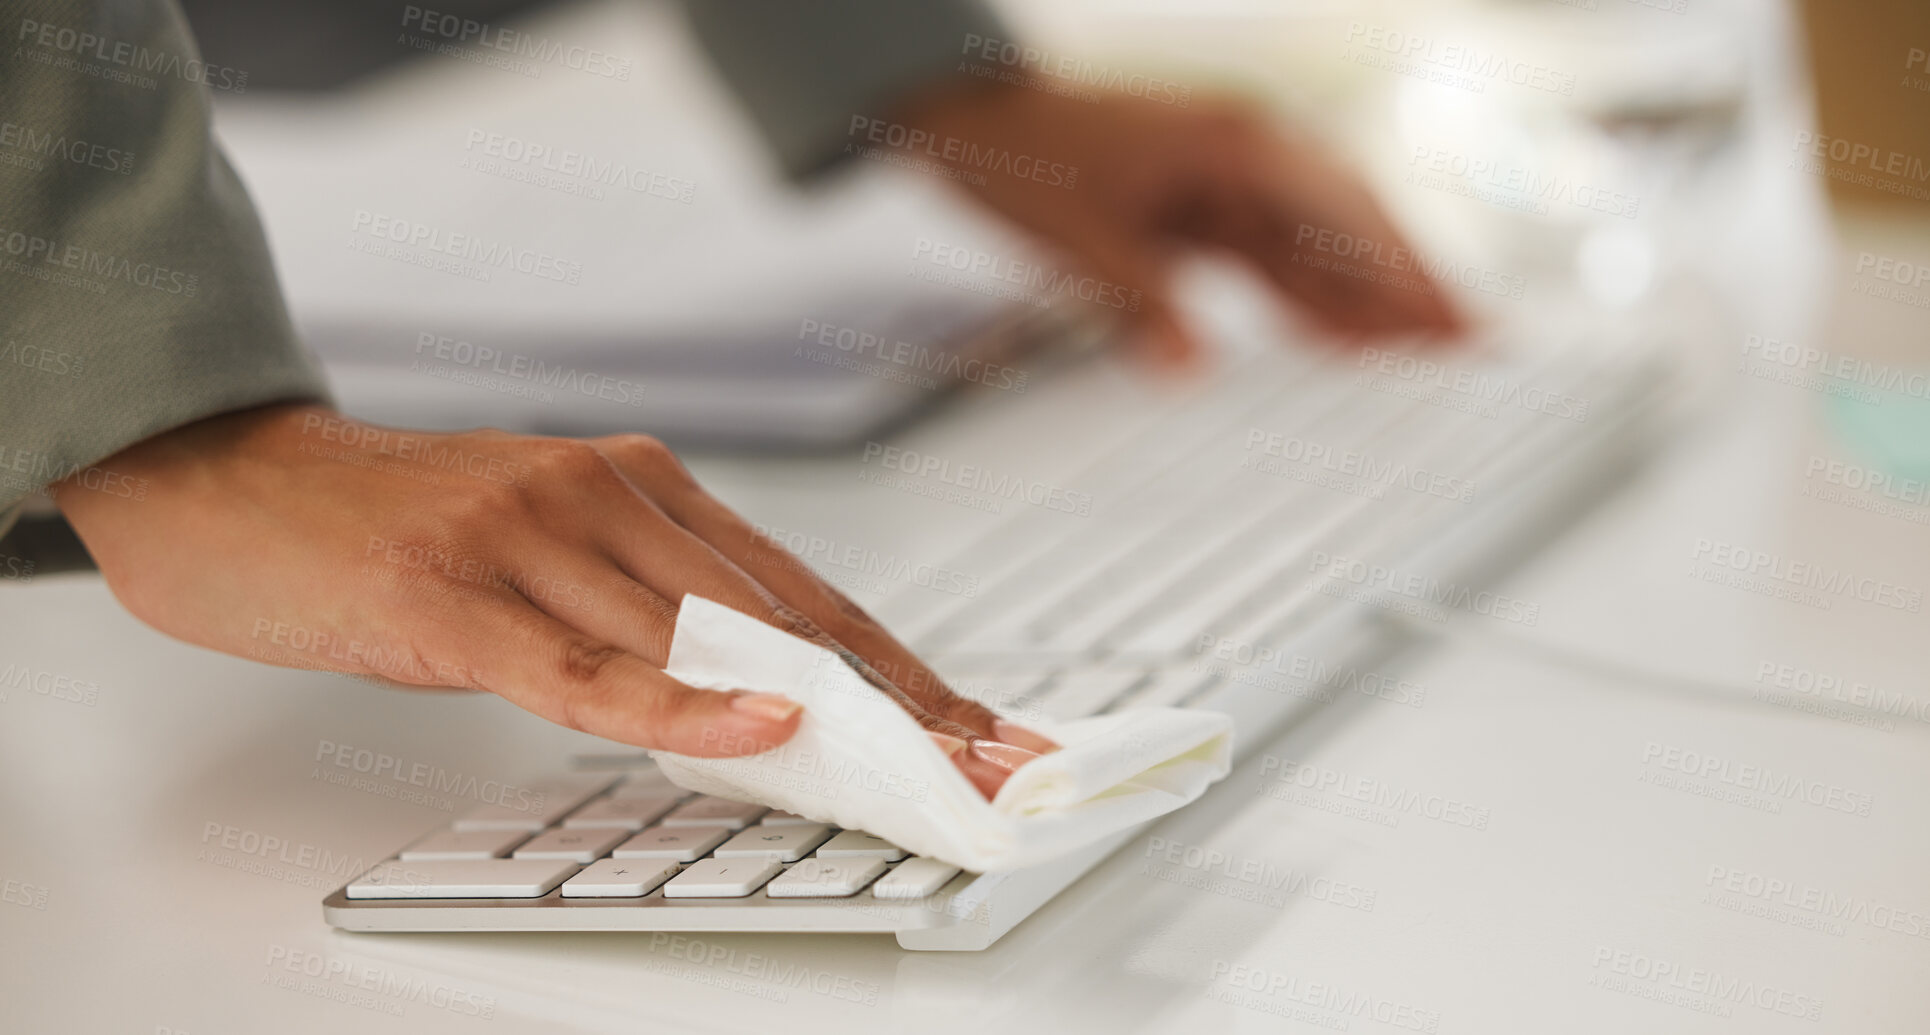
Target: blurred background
(1687, 145)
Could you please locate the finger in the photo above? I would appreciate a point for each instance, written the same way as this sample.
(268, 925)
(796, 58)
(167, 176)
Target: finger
(1272, 203)
(373, 677)
(644, 562)
(1329, 287)
(632, 616)
(809, 601)
(665, 559)
(639, 619)
(679, 561)
(586, 589)
(1138, 264)
(634, 619)
(576, 680)
(1387, 294)
(988, 764)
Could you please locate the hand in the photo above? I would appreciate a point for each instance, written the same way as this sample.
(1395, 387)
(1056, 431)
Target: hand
(545, 570)
(1152, 179)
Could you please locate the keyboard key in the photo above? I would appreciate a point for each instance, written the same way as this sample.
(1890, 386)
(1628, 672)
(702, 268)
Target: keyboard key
(706, 811)
(785, 844)
(540, 804)
(826, 878)
(619, 878)
(1082, 692)
(580, 846)
(1167, 687)
(722, 878)
(856, 844)
(914, 878)
(465, 844)
(621, 813)
(781, 818)
(1009, 683)
(682, 844)
(647, 783)
(462, 878)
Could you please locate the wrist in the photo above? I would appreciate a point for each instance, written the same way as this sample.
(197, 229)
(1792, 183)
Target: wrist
(176, 459)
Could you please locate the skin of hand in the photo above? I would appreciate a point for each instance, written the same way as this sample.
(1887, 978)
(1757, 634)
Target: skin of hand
(1123, 185)
(545, 570)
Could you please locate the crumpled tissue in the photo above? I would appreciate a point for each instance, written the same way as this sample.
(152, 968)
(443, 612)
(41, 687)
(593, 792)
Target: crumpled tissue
(860, 762)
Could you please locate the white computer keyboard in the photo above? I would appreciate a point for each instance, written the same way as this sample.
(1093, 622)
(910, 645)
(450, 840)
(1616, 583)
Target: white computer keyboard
(1189, 540)
(634, 837)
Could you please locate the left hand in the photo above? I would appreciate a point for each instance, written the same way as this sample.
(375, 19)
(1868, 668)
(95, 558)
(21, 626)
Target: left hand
(546, 570)
(1153, 179)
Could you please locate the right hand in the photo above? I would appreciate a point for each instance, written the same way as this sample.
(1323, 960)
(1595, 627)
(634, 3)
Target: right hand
(1153, 180)
(545, 570)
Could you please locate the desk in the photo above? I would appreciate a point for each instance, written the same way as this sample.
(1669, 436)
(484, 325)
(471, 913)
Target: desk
(1595, 860)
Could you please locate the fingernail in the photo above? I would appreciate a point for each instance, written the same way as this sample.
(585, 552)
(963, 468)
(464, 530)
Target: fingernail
(1005, 756)
(947, 743)
(775, 707)
(1013, 733)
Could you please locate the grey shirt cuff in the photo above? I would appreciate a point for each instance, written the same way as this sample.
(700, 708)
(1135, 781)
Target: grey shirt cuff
(805, 68)
(139, 295)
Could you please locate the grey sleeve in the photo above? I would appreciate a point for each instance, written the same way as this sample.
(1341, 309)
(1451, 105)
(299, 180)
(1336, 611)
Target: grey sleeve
(804, 68)
(136, 292)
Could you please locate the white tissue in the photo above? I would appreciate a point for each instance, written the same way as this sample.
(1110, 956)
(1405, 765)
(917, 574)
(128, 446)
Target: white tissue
(860, 762)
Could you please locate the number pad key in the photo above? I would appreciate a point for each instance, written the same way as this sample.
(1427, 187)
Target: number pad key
(706, 811)
(853, 844)
(914, 878)
(785, 844)
(679, 844)
(619, 878)
(722, 878)
(826, 878)
(578, 846)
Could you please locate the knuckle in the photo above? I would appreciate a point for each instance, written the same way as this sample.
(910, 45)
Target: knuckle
(658, 620)
(651, 458)
(581, 662)
(658, 711)
(961, 710)
(578, 668)
(836, 633)
(941, 724)
(836, 626)
(480, 506)
(847, 610)
(569, 460)
(797, 623)
(848, 630)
